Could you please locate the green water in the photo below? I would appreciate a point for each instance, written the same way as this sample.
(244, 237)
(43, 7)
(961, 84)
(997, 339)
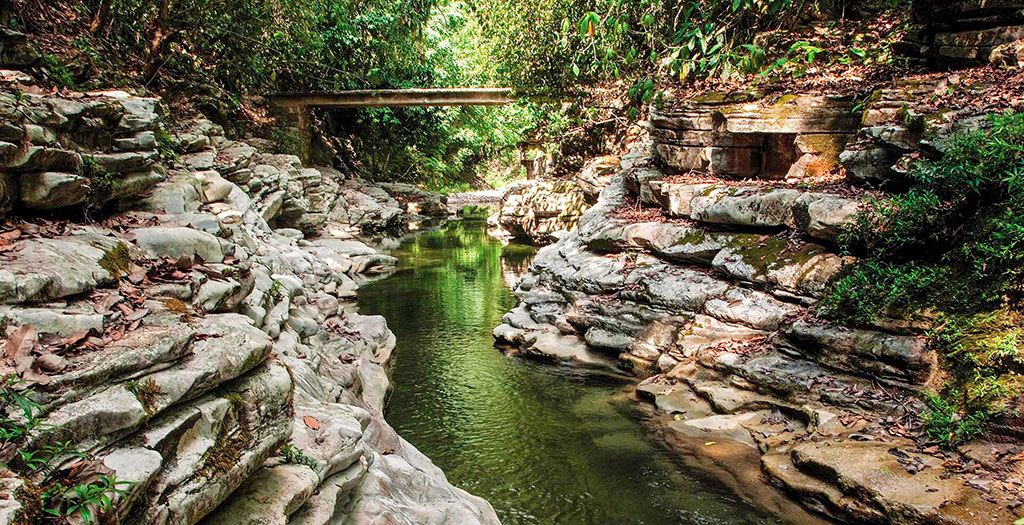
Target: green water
(544, 444)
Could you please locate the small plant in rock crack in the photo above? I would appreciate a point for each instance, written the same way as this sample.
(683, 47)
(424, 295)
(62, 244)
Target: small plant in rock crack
(294, 455)
(42, 459)
(276, 291)
(146, 392)
(166, 145)
(18, 414)
(84, 500)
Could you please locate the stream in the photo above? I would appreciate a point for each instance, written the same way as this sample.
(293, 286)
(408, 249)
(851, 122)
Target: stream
(544, 444)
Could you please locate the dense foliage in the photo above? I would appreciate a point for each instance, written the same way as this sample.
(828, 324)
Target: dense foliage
(953, 244)
(220, 53)
(216, 56)
(557, 45)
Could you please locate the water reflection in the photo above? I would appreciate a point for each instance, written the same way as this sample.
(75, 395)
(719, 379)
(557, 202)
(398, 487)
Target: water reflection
(543, 444)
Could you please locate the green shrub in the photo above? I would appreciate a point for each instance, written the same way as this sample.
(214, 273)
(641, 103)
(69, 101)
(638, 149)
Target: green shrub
(953, 243)
(58, 73)
(945, 424)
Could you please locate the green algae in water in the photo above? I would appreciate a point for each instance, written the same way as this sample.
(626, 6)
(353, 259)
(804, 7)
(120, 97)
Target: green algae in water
(544, 444)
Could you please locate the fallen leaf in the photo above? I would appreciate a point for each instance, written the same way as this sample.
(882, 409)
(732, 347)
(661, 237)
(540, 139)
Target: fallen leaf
(137, 274)
(76, 339)
(51, 363)
(20, 343)
(311, 422)
(137, 315)
(103, 304)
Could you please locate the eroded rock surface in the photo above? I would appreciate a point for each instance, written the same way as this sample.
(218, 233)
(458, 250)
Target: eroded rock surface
(196, 344)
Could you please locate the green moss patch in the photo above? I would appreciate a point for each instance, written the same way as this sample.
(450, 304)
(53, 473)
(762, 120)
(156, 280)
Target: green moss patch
(117, 261)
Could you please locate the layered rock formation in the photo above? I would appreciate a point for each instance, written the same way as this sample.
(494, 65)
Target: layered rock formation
(195, 346)
(539, 211)
(964, 32)
(743, 135)
(703, 287)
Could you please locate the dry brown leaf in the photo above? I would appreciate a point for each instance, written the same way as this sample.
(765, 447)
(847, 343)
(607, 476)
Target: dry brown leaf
(76, 339)
(311, 422)
(51, 363)
(137, 315)
(20, 343)
(104, 303)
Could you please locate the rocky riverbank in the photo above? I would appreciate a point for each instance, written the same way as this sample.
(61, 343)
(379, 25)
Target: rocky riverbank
(703, 286)
(539, 211)
(195, 342)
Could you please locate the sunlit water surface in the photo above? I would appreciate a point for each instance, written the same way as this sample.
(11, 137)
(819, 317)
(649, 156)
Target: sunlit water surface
(544, 444)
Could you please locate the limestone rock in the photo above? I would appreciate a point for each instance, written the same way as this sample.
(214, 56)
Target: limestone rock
(179, 242)
(596, 174)
(50, 190)
(538, 211)
(873, 485)
(744, 136)
(45, 269)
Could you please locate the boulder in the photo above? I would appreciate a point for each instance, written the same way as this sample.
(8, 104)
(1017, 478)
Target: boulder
(45, 269)
(596, 174)
(16, 51)
(179, 242)
(51, 190)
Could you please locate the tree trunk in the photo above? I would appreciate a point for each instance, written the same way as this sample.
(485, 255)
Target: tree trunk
(102, 19)
(161, 36)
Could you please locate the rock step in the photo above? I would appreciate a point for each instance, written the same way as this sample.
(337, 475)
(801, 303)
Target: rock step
(92, 412)
(52, 146)
(644, 312)
(37, 270)
(818, 215)
(280, 489)
(865, 481)
(796, 381)
(789, 270)
(212, 444)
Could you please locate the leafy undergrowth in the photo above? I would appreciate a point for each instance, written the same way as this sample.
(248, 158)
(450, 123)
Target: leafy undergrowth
(60, 483)
(952, 245)
(847, 55)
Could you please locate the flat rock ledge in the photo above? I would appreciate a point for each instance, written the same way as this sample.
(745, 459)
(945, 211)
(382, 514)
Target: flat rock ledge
(201, 343)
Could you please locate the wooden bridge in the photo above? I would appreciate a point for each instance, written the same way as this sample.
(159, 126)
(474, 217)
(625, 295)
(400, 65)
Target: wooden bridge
(296, 107)
(369, 98)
